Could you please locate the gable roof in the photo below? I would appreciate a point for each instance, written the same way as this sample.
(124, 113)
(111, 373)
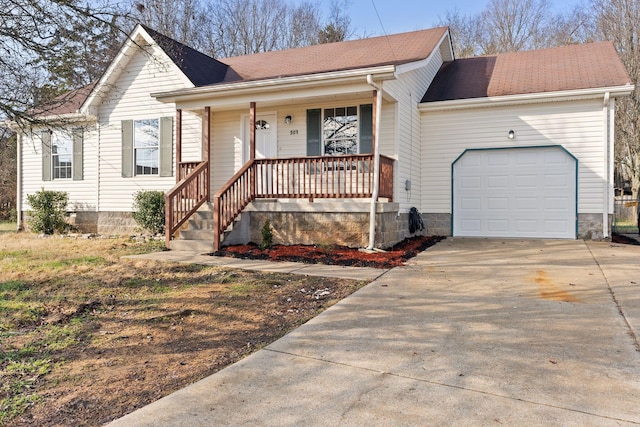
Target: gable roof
(394, 49)
(566, 68)
(199, 68)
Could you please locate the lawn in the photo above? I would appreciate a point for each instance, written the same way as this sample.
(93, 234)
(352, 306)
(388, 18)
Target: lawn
(7, 227)
(86, 337)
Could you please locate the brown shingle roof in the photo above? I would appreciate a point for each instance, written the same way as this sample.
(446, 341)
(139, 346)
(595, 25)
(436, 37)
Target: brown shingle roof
(585, 66)
(67, 103)
(376, 51)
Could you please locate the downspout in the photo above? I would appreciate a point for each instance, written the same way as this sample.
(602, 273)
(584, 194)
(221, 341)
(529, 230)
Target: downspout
(606, 167)
(376, 164)
(19, 180)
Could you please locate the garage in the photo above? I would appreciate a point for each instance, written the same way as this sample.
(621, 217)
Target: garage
(515, 192)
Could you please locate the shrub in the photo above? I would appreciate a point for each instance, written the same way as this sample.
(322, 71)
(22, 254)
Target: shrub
(267, 235)
(49, 209)
(148, 211)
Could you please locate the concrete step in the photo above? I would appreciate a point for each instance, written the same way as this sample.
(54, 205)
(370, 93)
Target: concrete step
(196, 235)
(199, 224)
(198, 246)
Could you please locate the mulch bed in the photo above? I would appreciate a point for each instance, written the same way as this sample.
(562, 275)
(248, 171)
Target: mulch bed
(619, 238)
(334, 255)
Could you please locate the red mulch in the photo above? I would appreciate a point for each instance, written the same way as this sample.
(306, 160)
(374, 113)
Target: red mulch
(335, 255)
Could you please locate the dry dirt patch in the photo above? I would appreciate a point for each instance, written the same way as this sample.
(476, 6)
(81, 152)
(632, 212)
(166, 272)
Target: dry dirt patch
(86, 337)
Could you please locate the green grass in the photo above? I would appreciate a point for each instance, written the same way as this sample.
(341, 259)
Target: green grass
(8, 227)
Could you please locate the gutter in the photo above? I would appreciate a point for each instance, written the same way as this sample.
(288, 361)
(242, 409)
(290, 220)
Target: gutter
(566, 95)
(376, 164)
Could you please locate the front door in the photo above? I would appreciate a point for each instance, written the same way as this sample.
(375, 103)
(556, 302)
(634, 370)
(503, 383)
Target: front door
(266, 141)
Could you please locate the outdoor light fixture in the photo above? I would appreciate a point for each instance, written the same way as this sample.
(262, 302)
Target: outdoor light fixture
(288, 119)
(512, 134)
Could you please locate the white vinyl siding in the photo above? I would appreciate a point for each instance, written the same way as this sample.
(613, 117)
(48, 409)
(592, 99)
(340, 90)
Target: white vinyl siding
(578, 126)
(129, 99)
(83, 194)
(408, 89)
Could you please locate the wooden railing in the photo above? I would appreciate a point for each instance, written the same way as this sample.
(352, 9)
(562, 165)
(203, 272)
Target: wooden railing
(185, 168)
(185, 198)
(300, 177)
(231, 199)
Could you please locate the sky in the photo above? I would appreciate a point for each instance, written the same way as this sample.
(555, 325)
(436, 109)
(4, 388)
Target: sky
(408, 15)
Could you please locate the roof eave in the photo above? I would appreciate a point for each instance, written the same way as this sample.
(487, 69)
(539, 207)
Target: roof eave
(386, 72)
(565, 95)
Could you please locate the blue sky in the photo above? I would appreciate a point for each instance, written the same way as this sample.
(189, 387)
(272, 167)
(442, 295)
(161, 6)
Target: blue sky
(408, 15)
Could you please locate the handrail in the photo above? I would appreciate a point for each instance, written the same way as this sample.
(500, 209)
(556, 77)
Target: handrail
(184, 199)
(231, 199)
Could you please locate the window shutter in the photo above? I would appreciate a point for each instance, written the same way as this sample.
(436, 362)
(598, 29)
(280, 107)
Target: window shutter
(366, 129)
(46, 155)
(314, 132)
(127, 148)
(78, 142)
(166, 146)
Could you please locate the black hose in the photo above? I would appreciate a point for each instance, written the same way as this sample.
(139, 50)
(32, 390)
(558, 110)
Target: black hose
(415, 221)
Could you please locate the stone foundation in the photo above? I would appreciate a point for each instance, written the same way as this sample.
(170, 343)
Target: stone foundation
(322, 223)
(590, 226)
(116, 223)
(437, 224)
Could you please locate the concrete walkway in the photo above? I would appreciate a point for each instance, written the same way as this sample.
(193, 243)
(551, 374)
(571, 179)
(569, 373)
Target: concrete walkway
(340, 272)
(472, 332)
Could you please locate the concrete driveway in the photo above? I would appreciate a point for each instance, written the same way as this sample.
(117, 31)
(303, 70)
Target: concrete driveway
(472, 332)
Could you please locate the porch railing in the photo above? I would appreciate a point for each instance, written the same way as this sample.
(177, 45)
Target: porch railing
(184, 168)
(300, 177)
(184, 199)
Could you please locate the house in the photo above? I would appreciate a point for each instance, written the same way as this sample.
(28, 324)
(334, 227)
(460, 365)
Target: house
(335, 143)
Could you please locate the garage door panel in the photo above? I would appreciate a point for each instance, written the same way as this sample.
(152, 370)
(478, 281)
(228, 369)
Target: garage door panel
(518, 192)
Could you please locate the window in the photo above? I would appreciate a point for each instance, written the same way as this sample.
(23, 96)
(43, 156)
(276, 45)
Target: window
(62, 155)
(146, 146)
(340, 130)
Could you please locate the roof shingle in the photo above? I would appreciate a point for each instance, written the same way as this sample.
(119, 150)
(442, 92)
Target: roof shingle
(376, 51)
(593, 65)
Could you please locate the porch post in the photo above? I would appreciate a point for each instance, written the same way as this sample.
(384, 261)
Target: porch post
(178, 144)
(252, 130)
(207, 133)
(207, 149)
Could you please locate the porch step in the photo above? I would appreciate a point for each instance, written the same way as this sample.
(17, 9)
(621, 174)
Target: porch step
(199, 246)
(196, 235)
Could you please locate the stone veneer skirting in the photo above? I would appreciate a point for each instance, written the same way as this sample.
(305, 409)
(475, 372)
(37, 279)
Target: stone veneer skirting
(589, 225)
(322, 222)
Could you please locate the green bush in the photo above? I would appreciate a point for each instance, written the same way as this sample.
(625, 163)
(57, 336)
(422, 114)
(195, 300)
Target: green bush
(49, 209)
(267, 236)
(148, 211)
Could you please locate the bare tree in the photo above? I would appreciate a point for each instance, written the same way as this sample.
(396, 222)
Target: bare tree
(465, 33)
(513, 25)
(338, 27)
(619, 21)
(48, 47)
(186, 21)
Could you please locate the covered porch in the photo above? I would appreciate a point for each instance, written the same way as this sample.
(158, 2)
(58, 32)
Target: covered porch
(338, 176)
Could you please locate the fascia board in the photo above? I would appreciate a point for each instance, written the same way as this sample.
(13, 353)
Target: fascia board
(277, 84)
(410, 66)
(118, 64)
(569, 95)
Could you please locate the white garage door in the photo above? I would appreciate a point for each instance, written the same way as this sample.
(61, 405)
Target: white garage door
(515, 192)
